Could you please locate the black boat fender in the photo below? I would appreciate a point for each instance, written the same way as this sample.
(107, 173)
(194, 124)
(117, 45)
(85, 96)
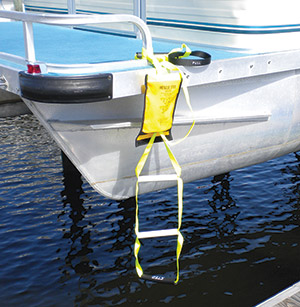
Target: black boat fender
(66, 89)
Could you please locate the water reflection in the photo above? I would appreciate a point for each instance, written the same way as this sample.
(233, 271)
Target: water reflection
(220, 190)
(101, 242)
(123, 231)
(227, 237)
(78, 255)
(225, 211)
(291, 172)
(224, 214)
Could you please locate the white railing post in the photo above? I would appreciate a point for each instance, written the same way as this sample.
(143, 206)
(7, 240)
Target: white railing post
(139, 10)
(29, 41)
(143, 10)
(71, 7)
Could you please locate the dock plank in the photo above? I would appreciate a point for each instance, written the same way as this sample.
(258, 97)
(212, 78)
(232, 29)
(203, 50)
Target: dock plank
(289, 297)
(293, 301)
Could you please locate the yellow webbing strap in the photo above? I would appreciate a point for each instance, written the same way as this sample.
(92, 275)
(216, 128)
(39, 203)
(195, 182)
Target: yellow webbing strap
(159, 233)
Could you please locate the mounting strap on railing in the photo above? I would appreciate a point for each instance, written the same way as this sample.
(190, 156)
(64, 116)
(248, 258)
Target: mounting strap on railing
(202, 58)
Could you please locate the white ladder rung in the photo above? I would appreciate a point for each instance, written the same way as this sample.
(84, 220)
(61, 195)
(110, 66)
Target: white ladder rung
(158, 178)
(157, 233)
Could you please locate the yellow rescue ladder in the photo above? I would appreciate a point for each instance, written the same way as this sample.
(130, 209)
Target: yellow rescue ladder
(162, 90)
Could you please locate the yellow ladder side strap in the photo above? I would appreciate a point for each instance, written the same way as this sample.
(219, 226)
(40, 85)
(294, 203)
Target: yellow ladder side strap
(178, 251)
(187, 99)
(144, 156)
(138, 169)
(137, 244)
(180, 205)
(180, 201)
(174, 162)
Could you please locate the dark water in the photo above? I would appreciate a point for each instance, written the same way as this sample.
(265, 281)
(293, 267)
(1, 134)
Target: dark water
(62, 244)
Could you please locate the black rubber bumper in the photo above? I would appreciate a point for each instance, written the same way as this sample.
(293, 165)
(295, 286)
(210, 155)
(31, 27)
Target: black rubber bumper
(66, 89)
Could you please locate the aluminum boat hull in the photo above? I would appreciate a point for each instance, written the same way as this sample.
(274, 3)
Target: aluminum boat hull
(239, 122)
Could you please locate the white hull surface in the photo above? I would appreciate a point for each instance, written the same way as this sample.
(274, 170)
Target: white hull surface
(247, 111)
(240, 122)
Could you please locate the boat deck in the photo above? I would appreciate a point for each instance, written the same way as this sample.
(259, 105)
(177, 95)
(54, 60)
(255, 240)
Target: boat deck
(62, 45)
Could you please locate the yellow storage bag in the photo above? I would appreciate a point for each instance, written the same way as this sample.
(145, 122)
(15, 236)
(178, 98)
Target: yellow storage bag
(162, 90)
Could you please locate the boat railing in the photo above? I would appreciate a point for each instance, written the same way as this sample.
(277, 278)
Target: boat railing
(71, 20)
(71, 7)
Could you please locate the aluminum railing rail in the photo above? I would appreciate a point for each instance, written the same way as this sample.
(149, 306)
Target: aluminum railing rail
(68, 20)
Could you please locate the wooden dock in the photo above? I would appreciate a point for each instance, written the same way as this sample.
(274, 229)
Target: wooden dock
(289, 297)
